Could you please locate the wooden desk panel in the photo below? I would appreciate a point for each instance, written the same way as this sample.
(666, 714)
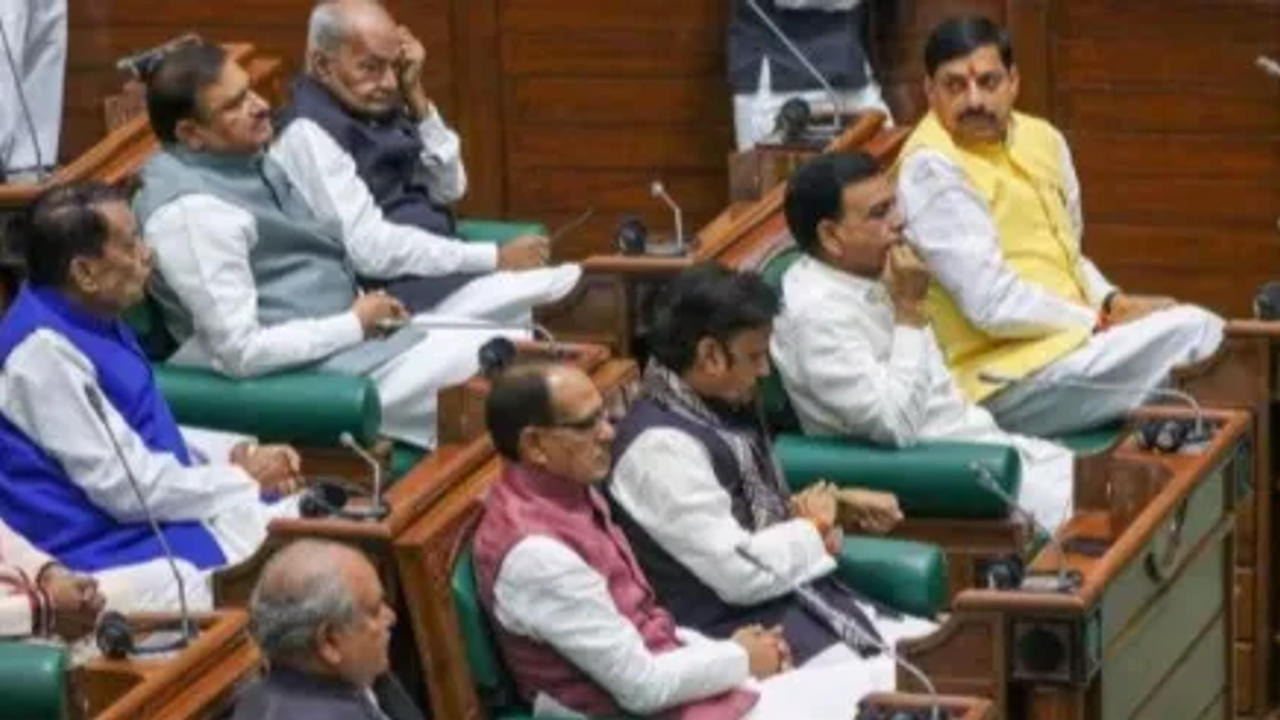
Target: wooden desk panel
(198, 682)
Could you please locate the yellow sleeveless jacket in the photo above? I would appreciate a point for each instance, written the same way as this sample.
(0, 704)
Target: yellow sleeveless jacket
(1022, 183)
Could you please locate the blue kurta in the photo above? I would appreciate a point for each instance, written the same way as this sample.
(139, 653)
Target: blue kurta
(37, 498)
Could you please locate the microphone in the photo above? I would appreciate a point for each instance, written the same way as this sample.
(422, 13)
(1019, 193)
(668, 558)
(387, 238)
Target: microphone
(539, 332)
(837, 106)
(41, 169)
(377, 510)
(658, 190)
(849, 631)
(141, 64)
(188, 627)
(1067, 581)
(1199, 431)
(1268, 66)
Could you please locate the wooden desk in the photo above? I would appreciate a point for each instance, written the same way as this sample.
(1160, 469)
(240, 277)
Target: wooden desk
(608, 306)
(955, 706)
(1147, 634)
(197, 682)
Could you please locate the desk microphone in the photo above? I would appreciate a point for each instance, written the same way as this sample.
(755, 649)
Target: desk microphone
(376, 509)
(658, 190)
(853, 635)
(1067, 580)
(1268, 66)
(114, 636)
(1198, 430)
(837, 106)
(41, 169)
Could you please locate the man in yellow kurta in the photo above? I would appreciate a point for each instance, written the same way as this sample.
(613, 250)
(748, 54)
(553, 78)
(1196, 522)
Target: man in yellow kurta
(993, 206)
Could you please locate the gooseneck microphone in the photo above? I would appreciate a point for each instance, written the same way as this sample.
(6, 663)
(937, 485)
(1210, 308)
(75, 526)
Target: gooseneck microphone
(41, 169)
(1067, 580)
(658, 190)
(853, 635)
(376, 507)
(188, 627)
(1199, 432)
(837, 106)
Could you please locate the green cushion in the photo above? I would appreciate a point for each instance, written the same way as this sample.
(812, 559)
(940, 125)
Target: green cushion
(778, 266)
(403, 458)
(904, 574)
(33, 681)
(303, 407)
(1092, 442)
(933, 479)
(486, 669)
(148, 325)
(498, 231)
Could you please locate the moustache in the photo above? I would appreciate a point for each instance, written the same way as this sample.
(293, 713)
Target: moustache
(982, 115)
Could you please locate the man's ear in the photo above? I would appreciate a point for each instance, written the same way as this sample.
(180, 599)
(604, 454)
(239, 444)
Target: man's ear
(829, 238)
(320, 64)
(530, 448)
(326, 649)
(708, 355)
(187, 131)
(80, 276)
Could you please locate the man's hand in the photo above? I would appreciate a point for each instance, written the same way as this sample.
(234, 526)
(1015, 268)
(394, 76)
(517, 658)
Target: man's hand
(409, 64)
(907, 280)
(1127, 308)
(524, 253)
(869, 510)
(767, 653)
(376, 311)
(817, 504)
(76, 601)
(277, 468)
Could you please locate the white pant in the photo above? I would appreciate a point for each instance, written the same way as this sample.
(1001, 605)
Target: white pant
(829, 686)
(755, 114)
(1139, 354)
(408, 383)
(36, 31)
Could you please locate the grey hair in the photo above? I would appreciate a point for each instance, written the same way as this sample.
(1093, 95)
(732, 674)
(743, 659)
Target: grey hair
(326, 29)
(297, 594)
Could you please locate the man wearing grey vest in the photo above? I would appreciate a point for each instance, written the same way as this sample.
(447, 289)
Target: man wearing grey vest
(256, 276)
(765, 74)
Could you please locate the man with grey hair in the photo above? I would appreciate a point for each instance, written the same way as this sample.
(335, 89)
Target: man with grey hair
(361, 98)
(320, 616)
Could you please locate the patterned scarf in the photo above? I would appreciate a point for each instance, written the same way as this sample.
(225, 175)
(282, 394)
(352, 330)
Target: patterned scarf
(762, 481)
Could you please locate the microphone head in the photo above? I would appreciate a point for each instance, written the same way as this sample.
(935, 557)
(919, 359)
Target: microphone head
(657, 189)
(347, 440)
(495, 356)
(113, 635)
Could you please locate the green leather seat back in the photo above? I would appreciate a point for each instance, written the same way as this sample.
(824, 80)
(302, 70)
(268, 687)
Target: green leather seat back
(487, 670)
(905, 575)
(933, 479)
(147, 324)
(33, 681)
(497, 231)
(1094, 441)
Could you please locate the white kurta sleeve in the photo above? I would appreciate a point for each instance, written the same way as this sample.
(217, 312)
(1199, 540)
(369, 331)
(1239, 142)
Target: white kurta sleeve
(15, 607)
(1096, 285)
(885, 402)
(546, 592)
(201, 247)
(951, 227)
(43, 393)
(666, 483)
(442, 156)
(327, 177)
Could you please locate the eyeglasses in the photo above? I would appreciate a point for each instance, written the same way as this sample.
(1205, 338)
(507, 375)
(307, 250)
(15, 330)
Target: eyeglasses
(586, 424)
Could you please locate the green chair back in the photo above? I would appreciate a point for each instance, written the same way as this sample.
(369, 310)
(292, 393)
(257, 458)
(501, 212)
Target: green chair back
(492, 681)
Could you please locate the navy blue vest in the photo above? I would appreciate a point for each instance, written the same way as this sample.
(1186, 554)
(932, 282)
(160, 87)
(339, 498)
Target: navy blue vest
(832, 41)
(38, 500)
(689, 600)
(387, 152)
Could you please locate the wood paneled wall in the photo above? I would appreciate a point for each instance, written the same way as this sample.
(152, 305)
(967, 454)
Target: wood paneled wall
(570, 104)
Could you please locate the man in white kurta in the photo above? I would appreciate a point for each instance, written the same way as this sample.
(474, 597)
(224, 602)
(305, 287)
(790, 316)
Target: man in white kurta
(993, 207)
(39, 597)
(208, 251)
(84, 430)
(33, 59)
(854, 353)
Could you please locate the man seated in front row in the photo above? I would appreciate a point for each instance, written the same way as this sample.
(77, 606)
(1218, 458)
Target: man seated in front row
(993, 207)
(257, 274)
(853, 345)
(701, 496)
(321, 617)
(359, 116)
(82, 422)
(575, 617)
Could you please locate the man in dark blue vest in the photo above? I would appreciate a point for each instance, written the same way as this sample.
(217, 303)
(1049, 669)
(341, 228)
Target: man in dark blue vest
(362, 95)
(84, 430)
(696, 485)
(765, 74)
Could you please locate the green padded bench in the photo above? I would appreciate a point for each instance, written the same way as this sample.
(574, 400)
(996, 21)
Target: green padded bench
(33, 681)
(302, 407)
(905, 575)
